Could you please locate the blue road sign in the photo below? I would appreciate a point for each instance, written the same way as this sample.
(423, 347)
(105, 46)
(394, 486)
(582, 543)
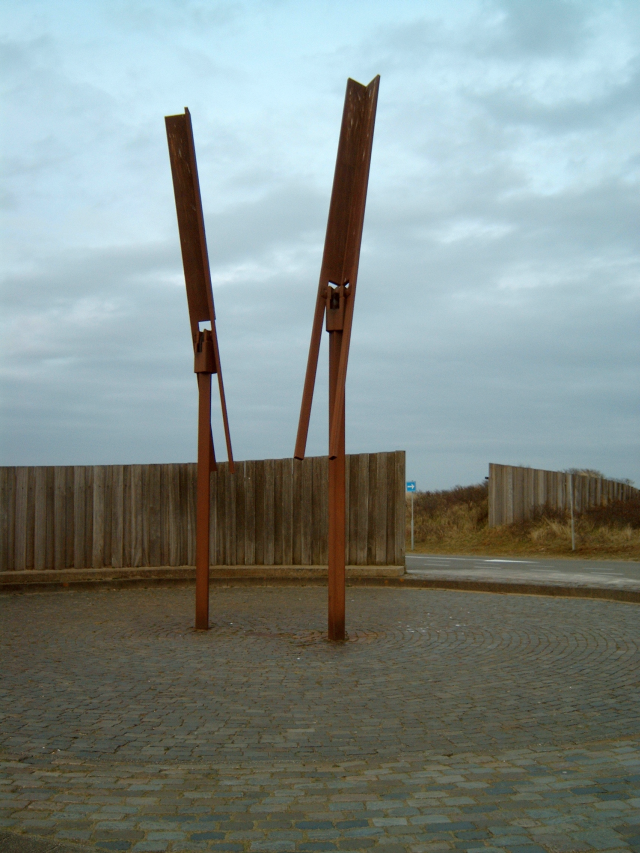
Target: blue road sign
(411, 485)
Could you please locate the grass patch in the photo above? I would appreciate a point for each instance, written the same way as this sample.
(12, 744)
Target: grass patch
(456, 522)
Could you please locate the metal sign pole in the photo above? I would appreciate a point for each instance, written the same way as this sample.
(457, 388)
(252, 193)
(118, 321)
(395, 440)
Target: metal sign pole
(337, 505)
(411, 488)
(573, 529)
(412, 497)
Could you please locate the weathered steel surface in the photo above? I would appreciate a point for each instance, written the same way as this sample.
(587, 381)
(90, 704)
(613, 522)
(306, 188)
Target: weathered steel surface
(335, 301)
(516, 493)
(337, 506)
(146, 514)
(190, 219)
(203, 500)
(193, 243)
(342, 247)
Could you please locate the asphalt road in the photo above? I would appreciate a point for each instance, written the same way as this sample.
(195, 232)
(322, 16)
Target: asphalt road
(621, 574)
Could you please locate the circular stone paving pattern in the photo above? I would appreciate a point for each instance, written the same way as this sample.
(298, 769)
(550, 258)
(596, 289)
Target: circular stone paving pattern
(121, 674)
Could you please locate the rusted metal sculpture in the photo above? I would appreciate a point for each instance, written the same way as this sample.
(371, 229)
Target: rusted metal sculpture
(197, 276)
(336, 297)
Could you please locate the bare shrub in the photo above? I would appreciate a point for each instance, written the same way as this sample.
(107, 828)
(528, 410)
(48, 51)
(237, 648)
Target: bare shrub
(616, 514)
(456, 521)
(449, 514)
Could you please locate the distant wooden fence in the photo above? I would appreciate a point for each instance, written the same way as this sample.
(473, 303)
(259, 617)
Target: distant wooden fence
(270, 512)
(516, 494)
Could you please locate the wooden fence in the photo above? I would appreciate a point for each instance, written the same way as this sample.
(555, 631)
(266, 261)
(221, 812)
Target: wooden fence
(270, 512)
(516, 494)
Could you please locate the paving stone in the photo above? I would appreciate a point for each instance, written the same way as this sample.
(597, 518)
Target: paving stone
(445, 723)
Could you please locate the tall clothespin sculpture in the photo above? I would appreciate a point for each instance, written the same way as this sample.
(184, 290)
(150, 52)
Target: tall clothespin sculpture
(197, 276)
(335, 301)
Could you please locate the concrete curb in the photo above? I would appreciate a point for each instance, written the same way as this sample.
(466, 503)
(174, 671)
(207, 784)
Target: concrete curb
(37, 581)
(387, 576)
(506, 587)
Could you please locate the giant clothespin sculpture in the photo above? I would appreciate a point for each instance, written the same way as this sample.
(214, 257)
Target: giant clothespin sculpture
(335, 300)
(197, 276)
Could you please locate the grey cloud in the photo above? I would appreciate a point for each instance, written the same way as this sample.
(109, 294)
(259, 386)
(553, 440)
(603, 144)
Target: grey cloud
(193, 15)
(495, 321)
(544, 28)
(619, 102)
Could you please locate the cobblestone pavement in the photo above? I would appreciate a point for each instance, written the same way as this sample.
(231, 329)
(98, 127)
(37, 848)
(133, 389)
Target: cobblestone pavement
(449, 721)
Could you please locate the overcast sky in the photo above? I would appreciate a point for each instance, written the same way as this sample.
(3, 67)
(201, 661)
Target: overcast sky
(497, 317)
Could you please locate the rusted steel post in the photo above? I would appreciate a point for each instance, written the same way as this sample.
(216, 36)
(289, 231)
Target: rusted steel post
(203, 501)
(337, 507)
(204, 366)
(335, 300)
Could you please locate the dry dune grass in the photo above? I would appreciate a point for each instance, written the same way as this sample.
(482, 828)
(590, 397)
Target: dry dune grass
(455, 522)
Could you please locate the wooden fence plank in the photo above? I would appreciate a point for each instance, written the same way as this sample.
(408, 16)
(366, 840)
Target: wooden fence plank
(215, 507)
(287, 511)
(530, 493)
(97, 555)
(278, 542)
(493, 478)
(190, 485)
(11, 521)
(155, 516)
(380, 499)
(216, 517)
(353, 464)
(117, 517)
(230, 528)
(250, 513)
(317, 533)
(239, 501)
(320, 512)
(40, 519)
(259, 476)
(392, 500)
(518, 492)
(79, 522)
(11, 495)
(269, 513)
(70, 516)
(89, 472)
(170, 515)
(371, 508)
(401, 472)
(306, 511)
(297, 513)
(31, 513)
(362, 535)
(137, 510)
(127, 520)
(147, 515)
(5, 474)
(540, 494)
(108, 515)
(221, 517)
(49, 513)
